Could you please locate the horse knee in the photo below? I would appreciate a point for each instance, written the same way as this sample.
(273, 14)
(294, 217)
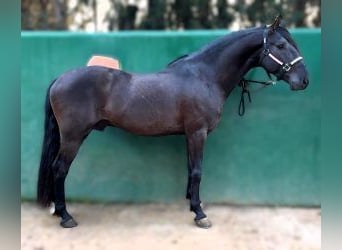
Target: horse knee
(196, 175)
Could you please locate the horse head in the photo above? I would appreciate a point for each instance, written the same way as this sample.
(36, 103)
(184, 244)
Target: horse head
(281, 56)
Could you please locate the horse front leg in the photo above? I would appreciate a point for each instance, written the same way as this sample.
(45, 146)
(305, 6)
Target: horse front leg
(196, 142)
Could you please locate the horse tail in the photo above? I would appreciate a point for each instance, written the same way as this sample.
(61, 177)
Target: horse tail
(51, 144)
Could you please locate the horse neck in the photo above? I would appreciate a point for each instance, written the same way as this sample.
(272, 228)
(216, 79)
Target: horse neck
(231, 59)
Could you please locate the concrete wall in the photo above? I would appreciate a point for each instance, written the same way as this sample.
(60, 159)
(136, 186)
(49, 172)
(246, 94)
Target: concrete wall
(269, 156)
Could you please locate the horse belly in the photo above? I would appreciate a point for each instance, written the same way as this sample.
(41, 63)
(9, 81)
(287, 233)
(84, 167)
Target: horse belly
(143, 116)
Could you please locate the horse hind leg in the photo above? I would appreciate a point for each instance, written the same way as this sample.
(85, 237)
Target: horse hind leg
(71, 140)
(188, 186)
(60, 167)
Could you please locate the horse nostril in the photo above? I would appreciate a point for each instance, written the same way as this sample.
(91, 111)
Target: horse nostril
(306, 81)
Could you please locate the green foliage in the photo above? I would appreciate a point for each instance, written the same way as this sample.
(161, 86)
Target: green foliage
(224, 16)
(169, 14)
(155, 19)
(204, 15)
(294, 12)
(263, 11)
(44, 14)
(123, 17)
(183, 13)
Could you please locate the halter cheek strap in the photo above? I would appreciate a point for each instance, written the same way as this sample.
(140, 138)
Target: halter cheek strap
(285, 67)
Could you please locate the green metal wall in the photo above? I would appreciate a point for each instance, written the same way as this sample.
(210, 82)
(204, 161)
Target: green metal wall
(269, 156)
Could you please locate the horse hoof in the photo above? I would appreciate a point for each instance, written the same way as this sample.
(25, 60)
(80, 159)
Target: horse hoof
(203, 223)
(69, 223)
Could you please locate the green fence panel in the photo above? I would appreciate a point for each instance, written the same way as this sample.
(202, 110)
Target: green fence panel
(269, 156)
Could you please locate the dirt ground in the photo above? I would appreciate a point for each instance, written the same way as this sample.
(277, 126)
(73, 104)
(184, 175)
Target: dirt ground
(160, 226)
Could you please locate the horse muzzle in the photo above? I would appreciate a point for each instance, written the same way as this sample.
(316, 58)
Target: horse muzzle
(299, 84)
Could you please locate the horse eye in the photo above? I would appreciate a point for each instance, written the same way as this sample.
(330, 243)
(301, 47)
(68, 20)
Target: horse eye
(281, 46)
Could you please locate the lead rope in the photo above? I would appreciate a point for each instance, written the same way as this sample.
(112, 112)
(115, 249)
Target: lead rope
(244, 90)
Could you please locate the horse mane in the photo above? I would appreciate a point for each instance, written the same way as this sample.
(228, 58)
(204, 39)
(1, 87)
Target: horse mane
(226, 39)
(233, 36)
(222, 41)
(177, 59)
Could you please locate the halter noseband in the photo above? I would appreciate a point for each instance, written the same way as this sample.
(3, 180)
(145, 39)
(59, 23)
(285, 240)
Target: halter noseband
(285, 67)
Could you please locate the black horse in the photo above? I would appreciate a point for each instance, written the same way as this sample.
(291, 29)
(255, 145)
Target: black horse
(185, 98)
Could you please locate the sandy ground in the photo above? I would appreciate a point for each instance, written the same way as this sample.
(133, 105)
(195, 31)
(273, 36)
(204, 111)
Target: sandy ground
(160, 226)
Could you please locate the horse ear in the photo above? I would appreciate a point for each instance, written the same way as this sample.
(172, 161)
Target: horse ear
(276, 23)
